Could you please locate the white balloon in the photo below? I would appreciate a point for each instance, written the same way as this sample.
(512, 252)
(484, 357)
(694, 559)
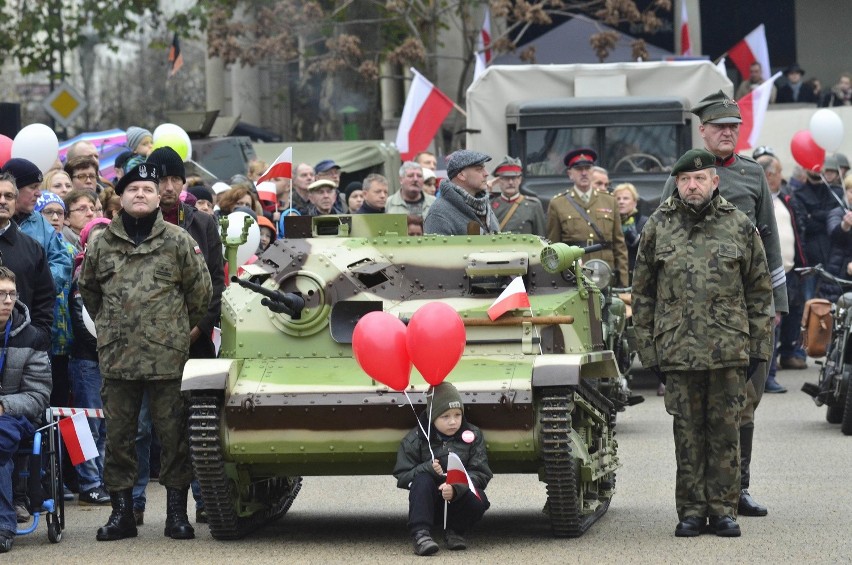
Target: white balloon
(38, 144)
(235, 229)
(827, 129)
(88, 322)
(173, 129)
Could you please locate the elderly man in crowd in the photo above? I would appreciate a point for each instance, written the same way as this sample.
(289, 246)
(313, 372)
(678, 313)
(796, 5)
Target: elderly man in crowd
(324, 201)
(410, 200)
(516, 212)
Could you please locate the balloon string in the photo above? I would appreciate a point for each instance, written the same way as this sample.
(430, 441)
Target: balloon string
(842, 203)
(420, 424)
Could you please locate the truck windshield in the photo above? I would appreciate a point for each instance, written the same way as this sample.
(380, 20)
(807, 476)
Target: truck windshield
(621, 149)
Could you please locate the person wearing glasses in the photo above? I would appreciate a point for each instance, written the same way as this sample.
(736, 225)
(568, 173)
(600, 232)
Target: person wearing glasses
(81, 206)
(84, 173)
(24, 387)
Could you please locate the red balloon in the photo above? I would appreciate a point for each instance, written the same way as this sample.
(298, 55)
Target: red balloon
(436, 340)
(806, 152)
(5, 149)
(379, 345)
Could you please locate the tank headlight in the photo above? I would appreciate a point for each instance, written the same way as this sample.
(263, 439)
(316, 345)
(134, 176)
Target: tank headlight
(599, 272)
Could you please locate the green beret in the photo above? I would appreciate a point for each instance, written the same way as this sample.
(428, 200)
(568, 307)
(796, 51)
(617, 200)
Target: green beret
(718, 108)
(694, 160)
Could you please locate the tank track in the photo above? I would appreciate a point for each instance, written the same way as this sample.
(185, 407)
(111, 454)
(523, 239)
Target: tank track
(560, 465)
(205, 440)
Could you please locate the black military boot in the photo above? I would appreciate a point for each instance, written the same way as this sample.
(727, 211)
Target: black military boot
(747, 505)
(177, 522)
(121, 523)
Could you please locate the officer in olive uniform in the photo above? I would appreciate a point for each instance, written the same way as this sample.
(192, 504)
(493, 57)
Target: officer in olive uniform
(702, 301)
(145, 284)
(583, 216)
(516, 212)
(742, 182)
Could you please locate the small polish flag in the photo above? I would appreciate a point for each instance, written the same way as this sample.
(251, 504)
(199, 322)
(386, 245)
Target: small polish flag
(457, 474)
(753, 108)
(483, 47)
(281, 168)
(267, 191)
(515, 296)
(685, 47)
(425, 110)
(78, 438)
(752, 48)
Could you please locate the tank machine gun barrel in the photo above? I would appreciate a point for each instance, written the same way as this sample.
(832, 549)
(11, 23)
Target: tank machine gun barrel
(277, 301)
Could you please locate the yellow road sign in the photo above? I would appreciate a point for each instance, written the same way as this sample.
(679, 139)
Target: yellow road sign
(64, 104)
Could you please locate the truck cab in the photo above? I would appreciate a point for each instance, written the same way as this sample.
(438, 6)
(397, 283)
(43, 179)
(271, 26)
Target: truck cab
(637, 139)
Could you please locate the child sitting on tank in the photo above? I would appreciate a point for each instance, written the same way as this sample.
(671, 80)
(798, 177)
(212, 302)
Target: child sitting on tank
(424, 475)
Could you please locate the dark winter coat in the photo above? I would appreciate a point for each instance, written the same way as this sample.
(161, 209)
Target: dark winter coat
(26, 379)
(27, 259)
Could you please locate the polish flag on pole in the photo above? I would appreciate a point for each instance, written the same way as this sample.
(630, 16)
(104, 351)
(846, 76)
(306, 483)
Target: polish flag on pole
(266, 190)
(515, 296)
(425, 110)
(483, 47)
(281, 168)
(685, 47)
(753, 108)
(457, 474)
(752, 48)
(78, 439)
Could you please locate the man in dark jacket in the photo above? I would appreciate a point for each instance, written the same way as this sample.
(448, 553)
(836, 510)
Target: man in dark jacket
(375, 189)
(25, 383)
(204, 230)
(27, 259)
(464, 206)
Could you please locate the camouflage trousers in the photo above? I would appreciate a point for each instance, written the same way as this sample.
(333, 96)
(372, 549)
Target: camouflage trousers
(706, 407)
(122, 401)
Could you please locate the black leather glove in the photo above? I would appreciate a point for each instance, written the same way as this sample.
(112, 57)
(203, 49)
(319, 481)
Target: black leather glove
(753, 363)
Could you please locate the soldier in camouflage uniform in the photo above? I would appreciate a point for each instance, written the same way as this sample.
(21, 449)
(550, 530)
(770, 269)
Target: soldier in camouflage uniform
(516, 212)
(145, 284)
(743, 184)
(565, 221)
(702, 300)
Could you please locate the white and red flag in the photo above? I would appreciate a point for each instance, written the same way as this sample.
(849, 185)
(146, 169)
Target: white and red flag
(457, 474)
(513, 297)
(483, 47)
(752, 48)
(685, 46)
(78, 438)
(425, 110)
(281, 168)
(753, 108)
(267, 191)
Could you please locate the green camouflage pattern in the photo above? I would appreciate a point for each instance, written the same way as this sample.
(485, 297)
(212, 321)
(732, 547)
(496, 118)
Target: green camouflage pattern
(144, 299)
(706, 407)
(702, 296)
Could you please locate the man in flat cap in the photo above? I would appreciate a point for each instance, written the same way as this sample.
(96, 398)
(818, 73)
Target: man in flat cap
(145, 284)
(583, 216)
(516, 212)
(464, 206)
(742, 182)
(702, 309)
(323, 196)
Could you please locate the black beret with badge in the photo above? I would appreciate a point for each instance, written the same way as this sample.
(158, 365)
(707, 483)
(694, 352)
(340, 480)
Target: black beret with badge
(718, 108)
(142, 171)
(694, 160)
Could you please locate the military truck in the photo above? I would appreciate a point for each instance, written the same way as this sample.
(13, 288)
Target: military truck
(286, 398)
(634, 115)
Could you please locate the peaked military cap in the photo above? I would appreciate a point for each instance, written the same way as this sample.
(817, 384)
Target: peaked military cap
(580, 158)
(718, 108)
(508, 167)
(694, 160)
(142, 171)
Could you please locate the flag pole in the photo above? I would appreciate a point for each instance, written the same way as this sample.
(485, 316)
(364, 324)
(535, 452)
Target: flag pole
(459, 109)
(56, 423)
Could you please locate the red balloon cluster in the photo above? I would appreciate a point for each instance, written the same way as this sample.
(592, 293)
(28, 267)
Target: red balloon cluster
(433, 342)
(806, 152)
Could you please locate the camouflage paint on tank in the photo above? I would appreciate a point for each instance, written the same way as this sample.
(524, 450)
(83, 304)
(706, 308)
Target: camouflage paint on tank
(295, 398)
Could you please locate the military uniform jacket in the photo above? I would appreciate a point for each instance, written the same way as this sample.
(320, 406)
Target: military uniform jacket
(565, 224)
(742, 182)
(701, 289)
(144, 299)
(528, 217)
